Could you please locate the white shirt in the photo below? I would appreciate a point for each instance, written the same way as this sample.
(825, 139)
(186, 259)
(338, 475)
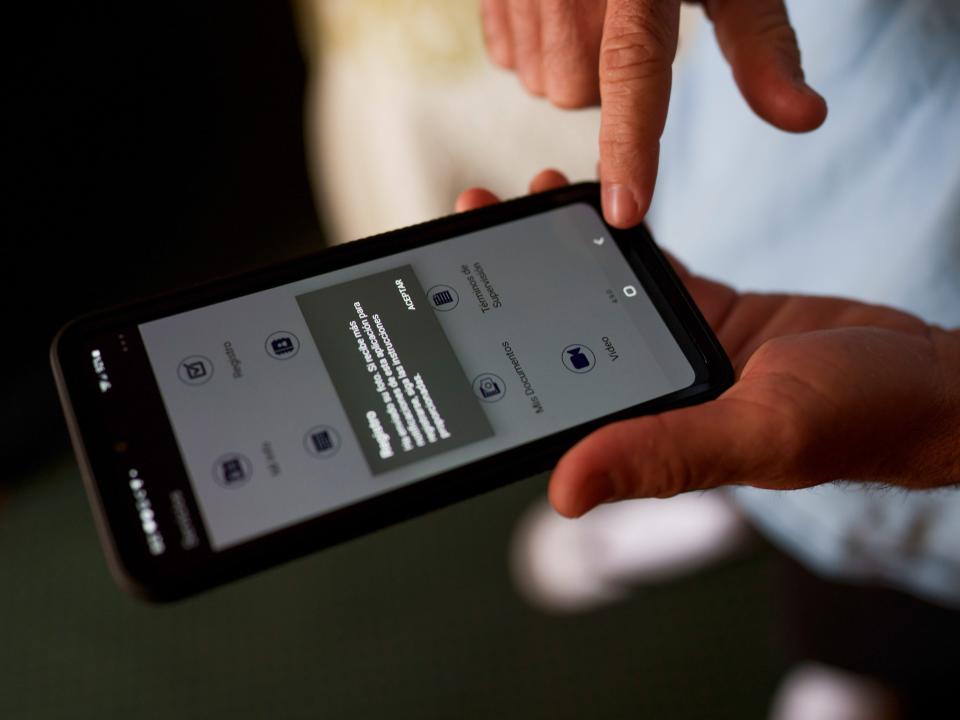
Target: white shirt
(868, 206)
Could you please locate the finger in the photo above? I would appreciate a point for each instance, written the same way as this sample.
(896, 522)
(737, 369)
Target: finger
(525, 30)
(496, 32)
(548, 180)
(759, 43)
(720, 442)
(474, 198)
(636, 53)
(570, 45)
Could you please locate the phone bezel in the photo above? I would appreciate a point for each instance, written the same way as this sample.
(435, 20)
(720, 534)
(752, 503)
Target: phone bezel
(181, 574)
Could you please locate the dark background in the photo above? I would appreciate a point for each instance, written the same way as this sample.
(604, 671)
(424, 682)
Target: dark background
(418, 621)
(152, 146)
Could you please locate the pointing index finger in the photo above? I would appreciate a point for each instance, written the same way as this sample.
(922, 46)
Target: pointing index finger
(636, 53)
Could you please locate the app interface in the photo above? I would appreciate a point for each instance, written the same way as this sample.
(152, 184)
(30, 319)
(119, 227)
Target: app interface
(301, 399)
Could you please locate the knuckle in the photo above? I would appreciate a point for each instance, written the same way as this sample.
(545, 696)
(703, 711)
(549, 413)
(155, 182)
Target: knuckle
(771, 23)
(499, 52)
(572, 93)
(677, 478)
(644, 50)
(531, 81)
(496, 39)
(657, 466)
(771, 29)
(618, 144)
(782, 40)
(632, 58)
(777, 453)
(794, 434)
(796, 441)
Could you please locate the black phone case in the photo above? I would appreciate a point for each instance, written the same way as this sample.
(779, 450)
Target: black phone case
(175, 574)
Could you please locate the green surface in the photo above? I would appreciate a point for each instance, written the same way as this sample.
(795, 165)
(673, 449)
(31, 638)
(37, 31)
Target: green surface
(417, 621)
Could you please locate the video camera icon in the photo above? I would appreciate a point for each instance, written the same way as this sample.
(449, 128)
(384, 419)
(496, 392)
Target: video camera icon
(578, 358)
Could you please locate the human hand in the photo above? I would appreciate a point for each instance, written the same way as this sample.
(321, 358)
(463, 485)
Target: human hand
(619, 53)
(826, 388)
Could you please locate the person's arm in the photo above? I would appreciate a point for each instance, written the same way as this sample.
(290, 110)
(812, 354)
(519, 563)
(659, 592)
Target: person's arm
(619, 53)
(826, 389)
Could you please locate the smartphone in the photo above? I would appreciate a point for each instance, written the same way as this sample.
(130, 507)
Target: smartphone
(233, 426)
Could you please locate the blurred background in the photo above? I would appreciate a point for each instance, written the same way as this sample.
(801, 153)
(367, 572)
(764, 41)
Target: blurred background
(156, 146)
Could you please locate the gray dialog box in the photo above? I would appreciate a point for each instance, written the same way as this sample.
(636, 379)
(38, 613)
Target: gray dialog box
(393, 368)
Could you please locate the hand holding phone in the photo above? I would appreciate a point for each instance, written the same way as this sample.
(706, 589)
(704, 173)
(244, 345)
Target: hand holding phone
(827, 388)
(227, 428)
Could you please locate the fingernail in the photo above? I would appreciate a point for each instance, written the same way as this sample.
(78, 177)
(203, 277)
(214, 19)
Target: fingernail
(597, 490)
(620, 206)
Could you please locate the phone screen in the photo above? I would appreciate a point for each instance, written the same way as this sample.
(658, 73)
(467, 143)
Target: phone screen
(294, 401)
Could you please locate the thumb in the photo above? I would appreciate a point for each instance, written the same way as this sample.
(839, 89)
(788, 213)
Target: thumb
(720, 442)
(636, 53)
(759, 43)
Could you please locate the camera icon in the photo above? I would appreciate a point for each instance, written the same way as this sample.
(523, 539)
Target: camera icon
(282, 345)
(489, 387)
